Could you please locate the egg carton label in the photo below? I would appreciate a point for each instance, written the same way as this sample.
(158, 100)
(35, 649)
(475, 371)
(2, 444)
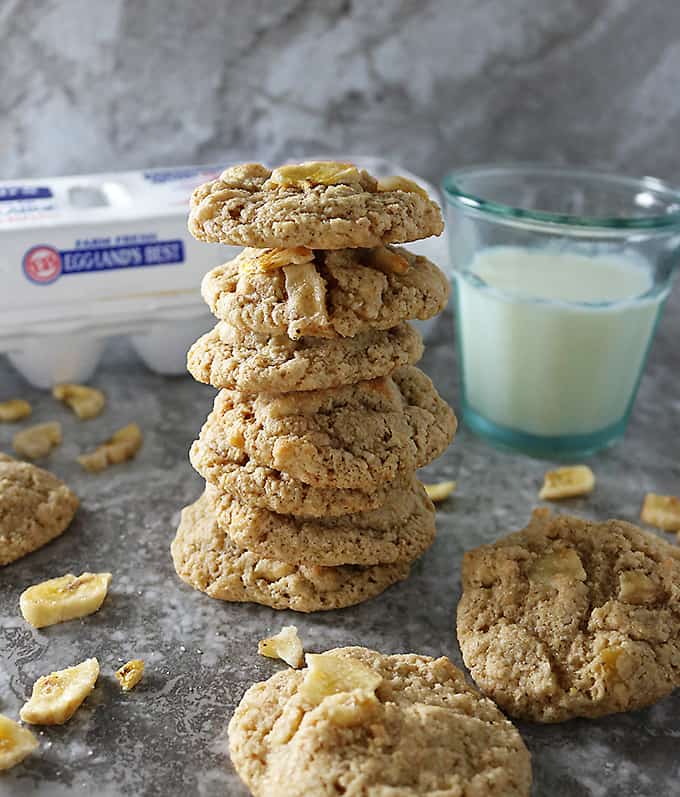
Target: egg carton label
(17, 193)
(44, 264)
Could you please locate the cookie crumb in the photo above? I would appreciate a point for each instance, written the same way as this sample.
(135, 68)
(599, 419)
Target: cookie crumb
(439, 491)
(661, 511)
(130, 674)
(123, 445)
(65, 598)
(14, 410)
(567, 482)
(57, 696)
(285, 645)
(86, 402)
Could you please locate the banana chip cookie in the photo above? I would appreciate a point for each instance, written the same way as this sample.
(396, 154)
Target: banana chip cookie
(232, 471)
(321, 205)
(358, 722)
(209, 561)
(35, 507)
(401, 530)
(348, 437)
(571, 618)
(327, 294)
(228, 357)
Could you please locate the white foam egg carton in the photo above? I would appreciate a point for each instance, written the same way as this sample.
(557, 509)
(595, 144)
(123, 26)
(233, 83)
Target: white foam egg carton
(87, 258)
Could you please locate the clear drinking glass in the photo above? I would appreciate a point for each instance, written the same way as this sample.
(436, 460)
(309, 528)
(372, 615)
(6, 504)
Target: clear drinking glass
(560, 278)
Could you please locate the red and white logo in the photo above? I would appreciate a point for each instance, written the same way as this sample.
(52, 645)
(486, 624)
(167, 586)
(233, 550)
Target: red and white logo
(42, 264)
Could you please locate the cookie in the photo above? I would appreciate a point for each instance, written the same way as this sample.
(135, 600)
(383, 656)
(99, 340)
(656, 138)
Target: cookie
(322, 207)
(347, 437)
(571, 618)
(232, 471)
(35, 507)
(420, 731)
(401, 530)
(335, 294)
(228, 357)
(209, 561)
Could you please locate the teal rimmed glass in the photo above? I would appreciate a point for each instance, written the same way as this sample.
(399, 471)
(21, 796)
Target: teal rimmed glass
(560, 278)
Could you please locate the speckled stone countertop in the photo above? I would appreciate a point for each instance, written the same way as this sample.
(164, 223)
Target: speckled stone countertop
(168, 736)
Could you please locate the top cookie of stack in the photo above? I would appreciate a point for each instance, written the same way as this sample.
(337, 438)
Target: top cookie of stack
(320, 205)
(312, 446)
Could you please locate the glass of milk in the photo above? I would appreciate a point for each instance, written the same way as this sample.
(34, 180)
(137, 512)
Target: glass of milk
(560, 277)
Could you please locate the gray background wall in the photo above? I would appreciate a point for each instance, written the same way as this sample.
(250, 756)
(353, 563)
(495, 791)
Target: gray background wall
(88, 85)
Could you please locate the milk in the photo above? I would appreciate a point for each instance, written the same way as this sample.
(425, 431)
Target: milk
(553, 342)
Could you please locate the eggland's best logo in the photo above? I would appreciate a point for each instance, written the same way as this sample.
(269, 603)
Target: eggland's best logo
(42, 264)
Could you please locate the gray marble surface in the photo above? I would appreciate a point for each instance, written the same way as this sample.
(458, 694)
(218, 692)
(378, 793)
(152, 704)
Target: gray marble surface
(90, 86)
(168, 737)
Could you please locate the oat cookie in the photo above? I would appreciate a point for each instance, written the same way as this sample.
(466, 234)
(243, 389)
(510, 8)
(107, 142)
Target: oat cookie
(421, 731)
(400, 530)
(571, 618)
(232, 471)
(205, 558)
(35, 507)
(249, 206)
(228, 357)
(338, 294)
(348, 437)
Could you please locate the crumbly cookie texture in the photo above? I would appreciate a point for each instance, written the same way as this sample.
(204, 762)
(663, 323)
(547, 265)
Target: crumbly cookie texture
(571, 618)
(339, 294)
(348, 437)
(248, 205)
(401, 530)
(232, 471)
(205, 558)
(236, 359)
(35, 507)
(402, 725)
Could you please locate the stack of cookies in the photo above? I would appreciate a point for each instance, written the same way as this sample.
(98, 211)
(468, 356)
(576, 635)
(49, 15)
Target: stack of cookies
(322, 419)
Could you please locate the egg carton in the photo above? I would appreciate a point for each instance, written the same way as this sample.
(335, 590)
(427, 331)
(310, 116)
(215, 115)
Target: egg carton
(88, 258)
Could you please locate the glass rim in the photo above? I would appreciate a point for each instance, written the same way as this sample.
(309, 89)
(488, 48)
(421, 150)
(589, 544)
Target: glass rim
(457, 195)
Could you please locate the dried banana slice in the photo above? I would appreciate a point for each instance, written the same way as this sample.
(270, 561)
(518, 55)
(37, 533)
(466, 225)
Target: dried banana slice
(440, 491)
(329, 674)
(14, 410)
(314, 173)
(254, 260)
(397, 183)
(16, 742)
(86, 402)
(285, 645)
(130, 674)
(567, 482)
(386, 260)
(662, 511)
(57, 696)
(64, 598)
(122, 445)
(36, 442)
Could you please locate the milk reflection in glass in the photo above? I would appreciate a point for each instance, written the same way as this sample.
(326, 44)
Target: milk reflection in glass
(539, 354)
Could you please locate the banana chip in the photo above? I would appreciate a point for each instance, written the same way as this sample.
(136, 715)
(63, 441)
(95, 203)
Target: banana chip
(567, 483)
(662, 511)
(64, 598)
(16, 742)
(57, 696)
(285, 645)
